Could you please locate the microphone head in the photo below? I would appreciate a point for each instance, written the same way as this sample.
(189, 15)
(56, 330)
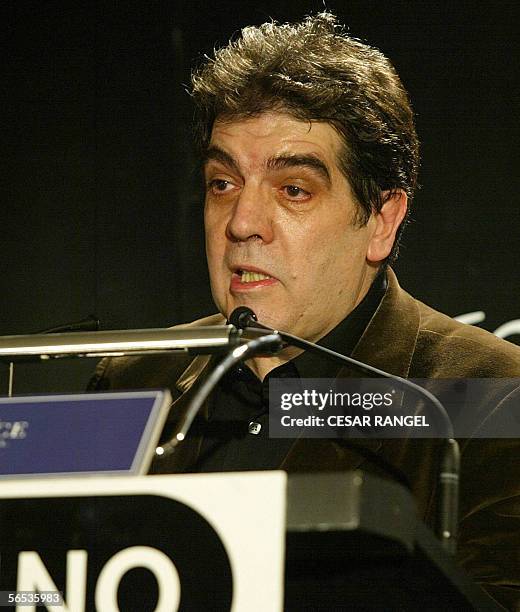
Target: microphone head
(242, 317)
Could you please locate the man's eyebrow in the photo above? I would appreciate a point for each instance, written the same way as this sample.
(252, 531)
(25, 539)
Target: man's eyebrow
(214, 153)
(294, 160)
(278, 162)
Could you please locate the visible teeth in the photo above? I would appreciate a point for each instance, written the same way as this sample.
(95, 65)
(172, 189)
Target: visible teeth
(249, 277)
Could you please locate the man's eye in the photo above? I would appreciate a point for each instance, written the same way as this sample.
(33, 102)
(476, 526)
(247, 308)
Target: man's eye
(219, 186)
(296, 193)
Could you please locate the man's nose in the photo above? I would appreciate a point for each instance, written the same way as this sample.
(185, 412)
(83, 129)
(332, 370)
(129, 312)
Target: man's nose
(251, 217)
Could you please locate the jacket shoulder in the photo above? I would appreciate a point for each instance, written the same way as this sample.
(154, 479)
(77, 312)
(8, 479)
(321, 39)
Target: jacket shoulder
(446, 347)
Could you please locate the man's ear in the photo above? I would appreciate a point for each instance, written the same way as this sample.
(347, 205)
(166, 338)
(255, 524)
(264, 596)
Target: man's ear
(387, 222)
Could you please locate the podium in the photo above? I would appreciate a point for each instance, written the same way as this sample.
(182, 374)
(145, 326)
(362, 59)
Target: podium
(243, 541)
(363, 548)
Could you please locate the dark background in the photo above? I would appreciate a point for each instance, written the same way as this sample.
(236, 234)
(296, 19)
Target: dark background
(101, 206)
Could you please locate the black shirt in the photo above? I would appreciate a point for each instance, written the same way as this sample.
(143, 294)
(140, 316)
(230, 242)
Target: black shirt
(236, 436)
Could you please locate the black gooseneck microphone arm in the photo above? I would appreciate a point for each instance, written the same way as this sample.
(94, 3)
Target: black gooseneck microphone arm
(266, 343)
(244, 318)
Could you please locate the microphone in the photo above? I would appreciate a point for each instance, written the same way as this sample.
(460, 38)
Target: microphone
(91, 323)
(244, 318)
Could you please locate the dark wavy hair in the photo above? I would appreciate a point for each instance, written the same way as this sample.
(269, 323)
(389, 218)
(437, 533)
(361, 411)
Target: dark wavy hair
(314, 71)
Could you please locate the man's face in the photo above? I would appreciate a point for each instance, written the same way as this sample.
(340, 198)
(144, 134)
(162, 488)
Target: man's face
(280, 224)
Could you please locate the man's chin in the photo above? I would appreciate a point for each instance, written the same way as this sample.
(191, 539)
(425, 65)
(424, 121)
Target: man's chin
(264, 315)
(270, 319)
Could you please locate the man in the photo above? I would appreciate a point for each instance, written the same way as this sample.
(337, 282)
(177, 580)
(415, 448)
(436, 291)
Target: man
(310, 159)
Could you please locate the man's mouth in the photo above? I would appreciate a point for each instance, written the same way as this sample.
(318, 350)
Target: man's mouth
(248, 277)
(243, 280)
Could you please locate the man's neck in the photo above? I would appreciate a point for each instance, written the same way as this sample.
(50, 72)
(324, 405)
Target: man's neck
(347, 331)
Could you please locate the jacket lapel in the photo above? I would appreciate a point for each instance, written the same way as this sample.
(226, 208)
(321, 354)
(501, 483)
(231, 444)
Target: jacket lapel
(389, 341)
(186, 454)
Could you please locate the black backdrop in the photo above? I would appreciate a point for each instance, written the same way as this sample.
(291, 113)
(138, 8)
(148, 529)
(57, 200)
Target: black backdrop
(101, 206)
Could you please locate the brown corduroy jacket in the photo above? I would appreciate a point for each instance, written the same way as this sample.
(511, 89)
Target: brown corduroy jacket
(409, 339)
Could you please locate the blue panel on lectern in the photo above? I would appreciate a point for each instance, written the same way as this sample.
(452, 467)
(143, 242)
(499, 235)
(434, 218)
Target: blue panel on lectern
(80, 434)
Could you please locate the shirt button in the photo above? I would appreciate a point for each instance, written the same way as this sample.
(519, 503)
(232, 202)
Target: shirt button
(254, 428)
